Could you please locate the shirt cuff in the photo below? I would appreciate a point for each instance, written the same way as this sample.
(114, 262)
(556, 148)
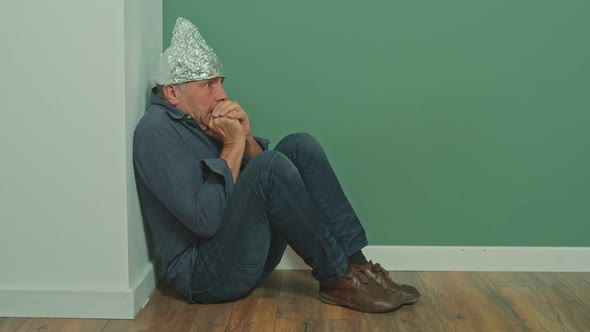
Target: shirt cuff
(220, 166)
(263, 144)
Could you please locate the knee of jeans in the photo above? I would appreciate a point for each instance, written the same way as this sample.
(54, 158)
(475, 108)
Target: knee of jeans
(263, 159)
(282, 167)
(298, 139)
(302, 144)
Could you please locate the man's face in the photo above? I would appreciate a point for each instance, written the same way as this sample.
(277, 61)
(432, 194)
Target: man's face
(199, 98)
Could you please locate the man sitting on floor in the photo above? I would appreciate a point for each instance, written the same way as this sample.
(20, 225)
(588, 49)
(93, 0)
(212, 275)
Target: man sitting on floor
(222, 207)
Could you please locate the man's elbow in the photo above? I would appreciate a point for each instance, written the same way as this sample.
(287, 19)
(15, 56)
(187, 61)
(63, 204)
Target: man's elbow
(205, 229)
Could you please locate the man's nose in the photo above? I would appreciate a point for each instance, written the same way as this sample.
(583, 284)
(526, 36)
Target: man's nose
(221, 94)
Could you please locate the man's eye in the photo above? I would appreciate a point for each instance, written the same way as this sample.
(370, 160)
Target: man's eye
(208, 84)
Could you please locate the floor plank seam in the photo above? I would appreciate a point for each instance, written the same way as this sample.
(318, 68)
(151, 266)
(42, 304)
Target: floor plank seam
(505, 301)
(574, 291)
(427, 292)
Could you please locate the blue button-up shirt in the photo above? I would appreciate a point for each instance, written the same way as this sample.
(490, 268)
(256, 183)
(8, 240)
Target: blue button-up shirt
(183, 185)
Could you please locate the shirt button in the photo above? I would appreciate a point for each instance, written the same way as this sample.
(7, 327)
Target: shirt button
(188, 117)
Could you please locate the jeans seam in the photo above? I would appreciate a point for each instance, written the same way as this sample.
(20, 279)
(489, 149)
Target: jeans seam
(270, 162)
(319, 205)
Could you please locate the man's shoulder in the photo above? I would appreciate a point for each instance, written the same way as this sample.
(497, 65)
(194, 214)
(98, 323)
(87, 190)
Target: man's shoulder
(154, 119)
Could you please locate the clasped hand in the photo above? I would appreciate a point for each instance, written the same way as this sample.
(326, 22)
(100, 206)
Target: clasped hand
(228, 123)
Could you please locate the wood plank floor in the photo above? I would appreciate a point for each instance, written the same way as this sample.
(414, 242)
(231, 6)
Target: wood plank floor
(288, 301)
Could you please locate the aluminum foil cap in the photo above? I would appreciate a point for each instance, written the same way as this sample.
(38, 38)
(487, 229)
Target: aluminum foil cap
(188, 58)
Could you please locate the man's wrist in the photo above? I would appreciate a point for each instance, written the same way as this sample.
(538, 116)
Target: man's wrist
(250, 139)
(234, 144)
(252, 148)
(232, 153)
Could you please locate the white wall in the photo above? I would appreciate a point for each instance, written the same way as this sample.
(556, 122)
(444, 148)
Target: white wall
(143, 44)
(71, 239)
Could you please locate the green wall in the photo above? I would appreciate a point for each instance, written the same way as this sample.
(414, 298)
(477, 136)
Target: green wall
(453, 122)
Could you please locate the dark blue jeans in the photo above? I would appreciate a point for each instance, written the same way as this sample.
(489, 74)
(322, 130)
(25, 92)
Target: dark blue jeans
(286, 196)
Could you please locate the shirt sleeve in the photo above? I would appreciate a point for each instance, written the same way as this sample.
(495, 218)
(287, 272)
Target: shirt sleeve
(195, 190)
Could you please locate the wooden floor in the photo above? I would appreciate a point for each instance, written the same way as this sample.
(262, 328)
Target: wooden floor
(288, 301)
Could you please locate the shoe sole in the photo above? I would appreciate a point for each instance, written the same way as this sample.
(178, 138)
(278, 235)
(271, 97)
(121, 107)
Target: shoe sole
(411, 301)
(335, 301)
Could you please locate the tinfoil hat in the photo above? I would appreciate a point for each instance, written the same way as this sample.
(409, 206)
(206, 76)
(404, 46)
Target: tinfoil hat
(188, 58)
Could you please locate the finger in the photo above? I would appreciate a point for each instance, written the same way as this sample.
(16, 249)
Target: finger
(219, 106)
(224, 108)
(204, 124)
(230, 108)
(241, 112)
(235, 114)
(221, 121)
(208, 131)
(210, 122)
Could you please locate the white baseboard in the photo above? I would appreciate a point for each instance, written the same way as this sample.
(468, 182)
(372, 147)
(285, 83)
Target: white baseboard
(83, 303)
(145, 285)
(115, 303)
(443, 258)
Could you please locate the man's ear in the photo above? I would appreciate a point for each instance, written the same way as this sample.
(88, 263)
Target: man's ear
(170, 93)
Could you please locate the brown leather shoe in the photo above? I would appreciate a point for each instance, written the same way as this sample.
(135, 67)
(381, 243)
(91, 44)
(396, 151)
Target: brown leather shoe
(409, 293)
(359, 291)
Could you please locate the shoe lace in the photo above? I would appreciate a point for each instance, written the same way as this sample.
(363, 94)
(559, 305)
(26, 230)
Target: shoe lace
(377, 268)
(357, 276)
